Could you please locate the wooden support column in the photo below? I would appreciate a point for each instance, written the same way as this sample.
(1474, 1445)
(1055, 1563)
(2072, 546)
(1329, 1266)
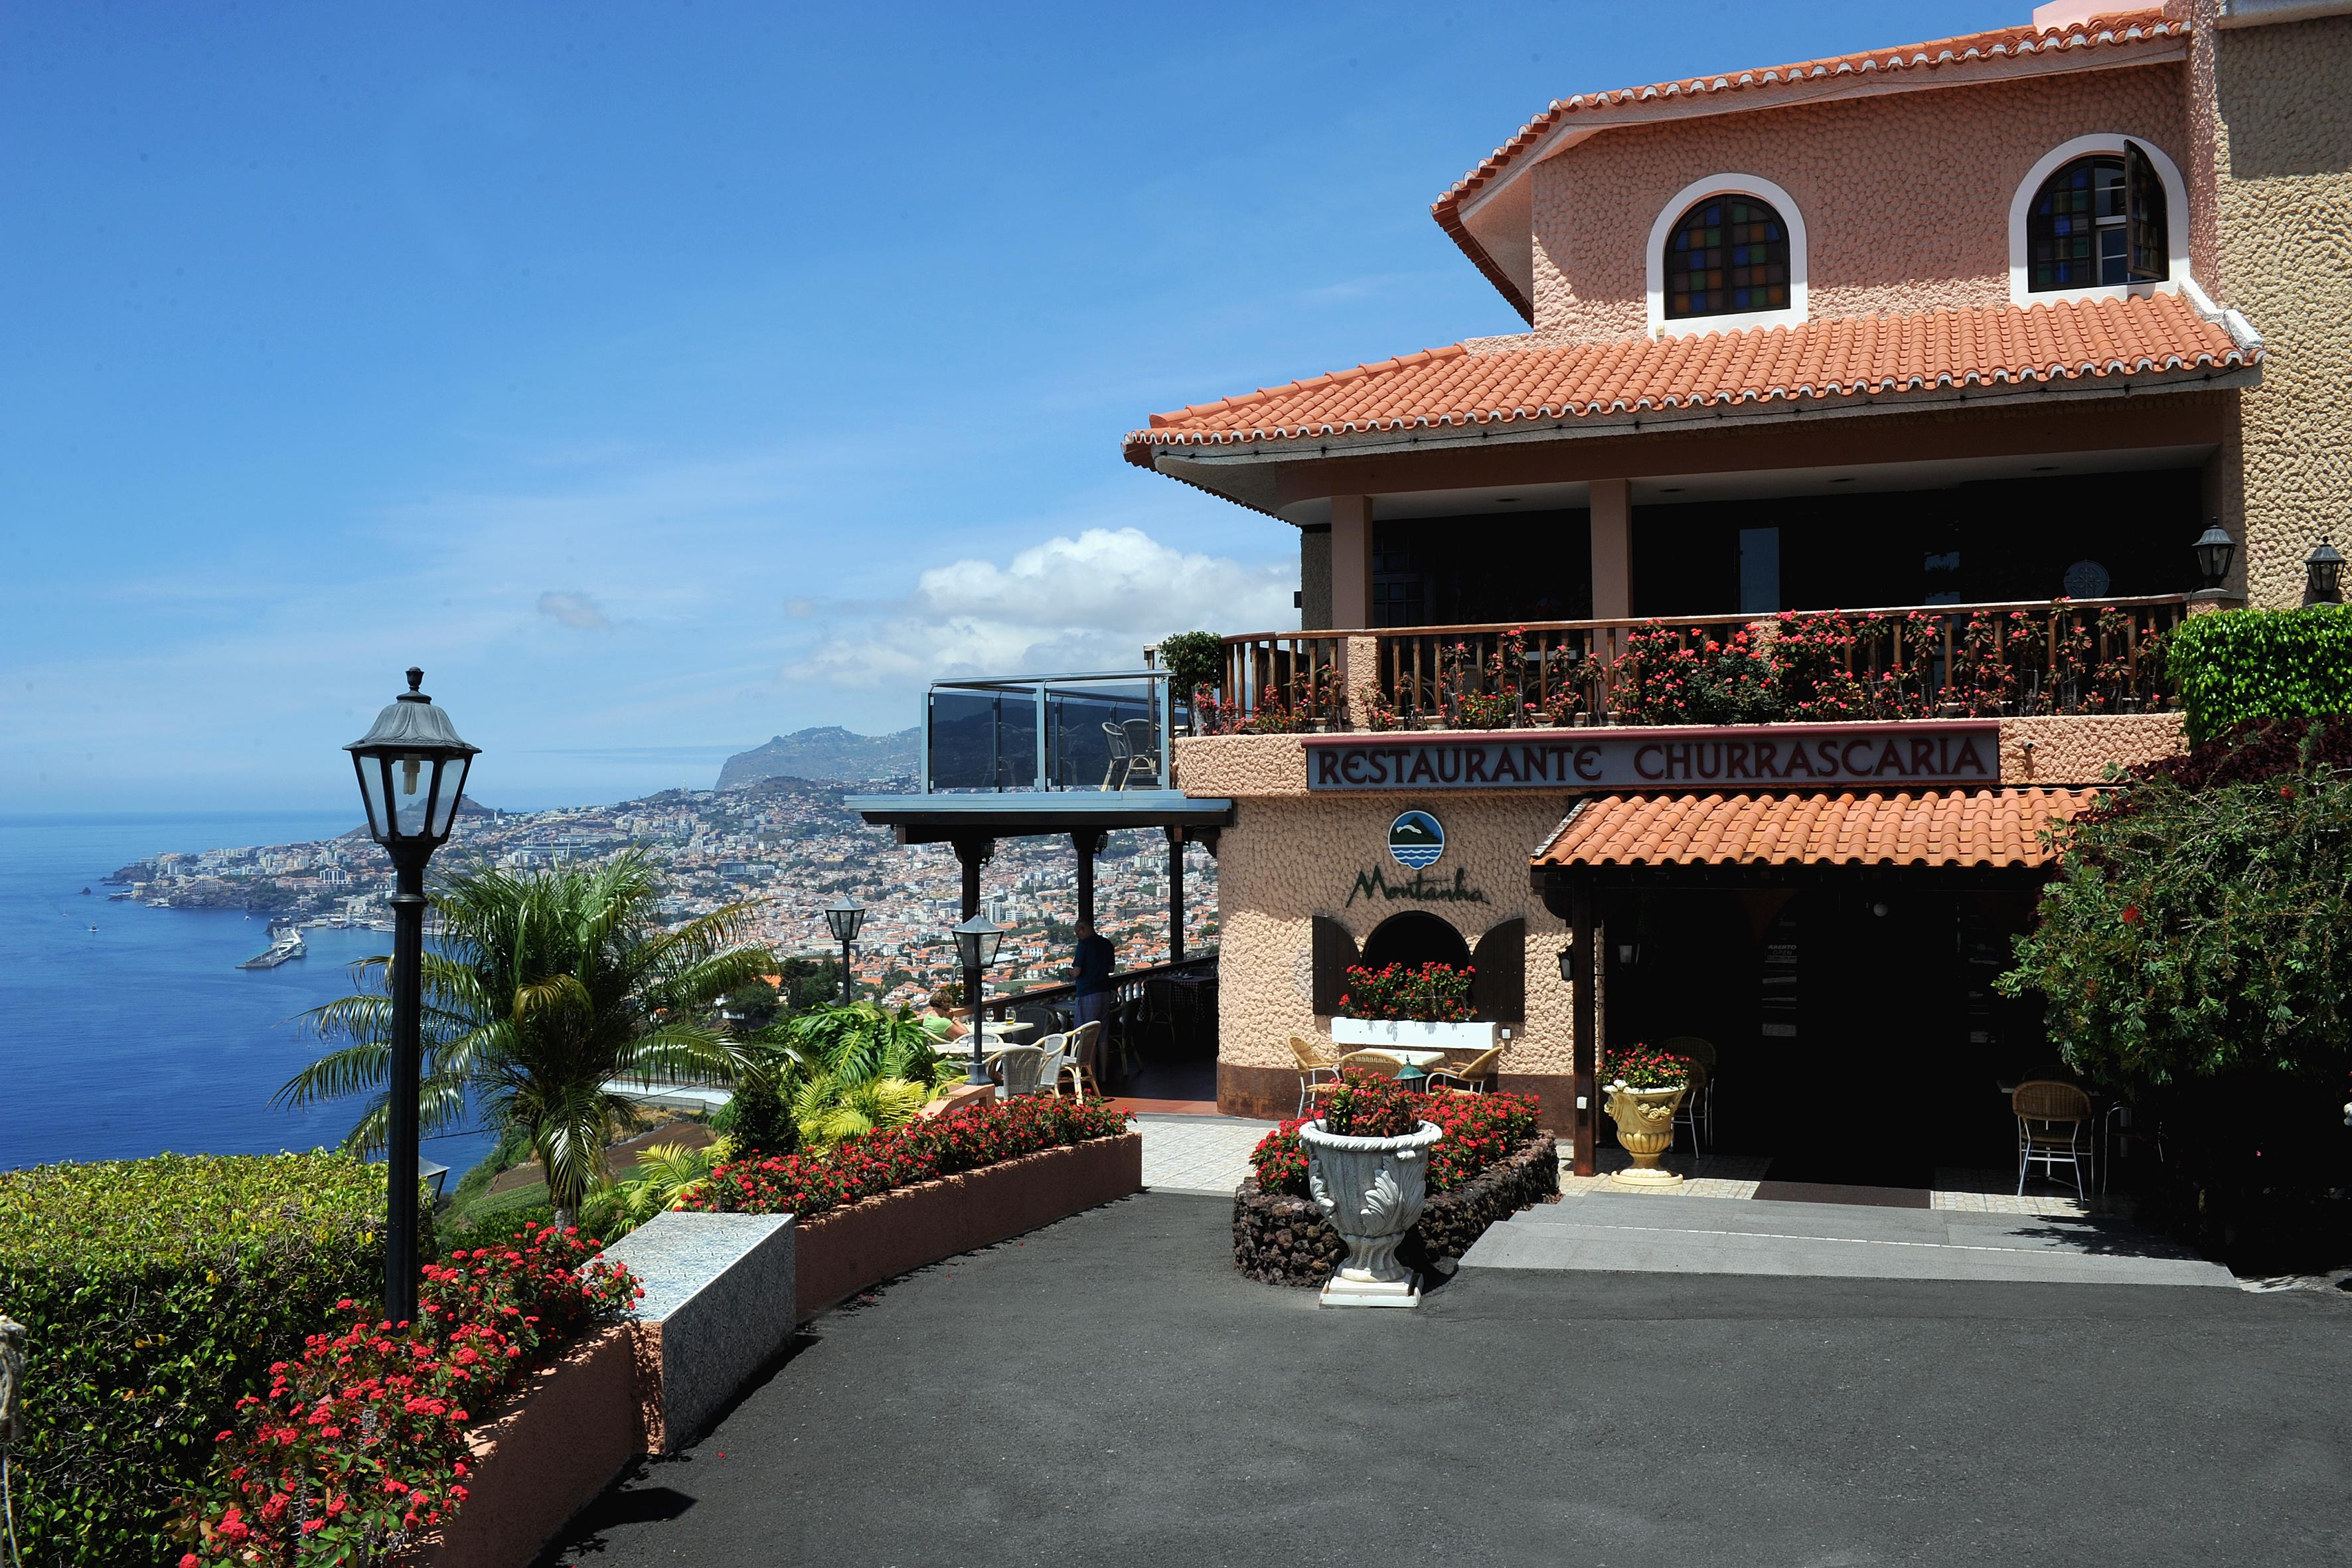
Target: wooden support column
(1352, 562)
(1612, 550)
(973, 854)
(1089, 844)
(1175, 895)
(1585, 1064)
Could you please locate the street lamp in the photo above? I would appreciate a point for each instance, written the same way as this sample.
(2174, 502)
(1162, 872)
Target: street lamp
(2323, 573)
(844, 916)
(1567, 965)
(411, 768)
(976, 943)
(2213, 549)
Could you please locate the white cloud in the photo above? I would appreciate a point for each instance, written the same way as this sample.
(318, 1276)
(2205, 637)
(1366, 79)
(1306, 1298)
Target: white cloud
(1092, 602)
(577, 611)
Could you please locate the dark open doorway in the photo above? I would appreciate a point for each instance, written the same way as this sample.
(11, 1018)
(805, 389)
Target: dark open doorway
(1858, 1038)
(1413, 939)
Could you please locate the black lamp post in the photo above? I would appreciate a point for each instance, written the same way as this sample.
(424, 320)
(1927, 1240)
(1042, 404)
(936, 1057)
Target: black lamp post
(976, 943)
(2214, 547)
(412, 767)
(844, 916)
(2323, 575)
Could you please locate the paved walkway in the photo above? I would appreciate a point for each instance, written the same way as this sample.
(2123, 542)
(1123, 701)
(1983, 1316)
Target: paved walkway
(1108, 1390)
(1629, 1233)
(1198, 1153)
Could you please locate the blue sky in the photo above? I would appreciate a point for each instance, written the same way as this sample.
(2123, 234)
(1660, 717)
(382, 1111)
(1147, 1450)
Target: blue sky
(662, 377)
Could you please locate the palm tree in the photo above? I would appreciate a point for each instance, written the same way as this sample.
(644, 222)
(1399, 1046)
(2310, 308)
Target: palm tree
(543, 988)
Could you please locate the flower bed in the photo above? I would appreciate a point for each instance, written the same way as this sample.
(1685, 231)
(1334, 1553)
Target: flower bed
(360, 1444)
(873, 1163)
(1281, 1238)
(1434, 994)
(1491, 1163)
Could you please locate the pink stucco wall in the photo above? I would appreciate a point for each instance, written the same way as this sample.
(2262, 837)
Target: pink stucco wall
(1906, 196)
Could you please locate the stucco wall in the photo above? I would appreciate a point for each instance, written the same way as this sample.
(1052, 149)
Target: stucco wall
(2280, 176)
(1287, 858)
(1906, 196)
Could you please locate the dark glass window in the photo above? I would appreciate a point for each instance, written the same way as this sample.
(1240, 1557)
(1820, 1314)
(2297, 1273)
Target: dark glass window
(2099, 220)
(1727, 256)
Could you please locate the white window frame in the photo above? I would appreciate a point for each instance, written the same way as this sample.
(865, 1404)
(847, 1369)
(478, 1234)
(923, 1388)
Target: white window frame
(1681, 202)
(2107, 143)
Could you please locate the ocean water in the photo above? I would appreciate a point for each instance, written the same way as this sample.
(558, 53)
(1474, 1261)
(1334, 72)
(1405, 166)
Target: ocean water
(142, 1035)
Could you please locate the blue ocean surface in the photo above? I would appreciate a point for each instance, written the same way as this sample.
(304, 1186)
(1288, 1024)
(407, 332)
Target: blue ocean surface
(142, 1035)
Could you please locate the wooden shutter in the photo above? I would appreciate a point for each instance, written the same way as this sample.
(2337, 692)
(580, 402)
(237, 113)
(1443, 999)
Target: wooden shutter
(2147, 237)
(1499, 986)
(1335, 949)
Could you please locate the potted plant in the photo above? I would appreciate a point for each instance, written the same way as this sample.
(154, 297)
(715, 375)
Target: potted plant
(1645, 1088)
(1367, 1170)
(1423, 1009)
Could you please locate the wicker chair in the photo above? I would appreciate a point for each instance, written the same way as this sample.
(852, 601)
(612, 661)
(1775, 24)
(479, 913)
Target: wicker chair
(1016, 1070)
(1078, 1060)
(2053, 1128)
(1054, 1055)
(1317, 1074)
(1697, 1109)
(1465, 1077)
(1370, 1064)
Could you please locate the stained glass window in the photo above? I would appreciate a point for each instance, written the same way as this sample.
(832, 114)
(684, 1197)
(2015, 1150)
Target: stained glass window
(2080, 232)
(1727, 256)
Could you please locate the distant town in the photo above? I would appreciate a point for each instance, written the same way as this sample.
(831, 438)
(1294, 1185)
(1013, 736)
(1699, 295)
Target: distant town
(784, 845)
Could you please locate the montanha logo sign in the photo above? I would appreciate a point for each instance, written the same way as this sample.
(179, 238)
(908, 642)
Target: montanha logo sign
(1421, 888)
(1416, 839)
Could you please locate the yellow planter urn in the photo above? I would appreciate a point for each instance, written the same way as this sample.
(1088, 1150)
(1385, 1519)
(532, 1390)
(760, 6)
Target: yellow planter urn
(1645, 1127)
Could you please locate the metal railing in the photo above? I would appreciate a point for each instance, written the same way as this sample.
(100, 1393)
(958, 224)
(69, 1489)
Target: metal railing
(1910, 661)
(1127, 985)
(1103, 732)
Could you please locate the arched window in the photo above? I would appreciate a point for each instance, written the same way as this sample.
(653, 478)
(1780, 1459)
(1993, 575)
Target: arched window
(1727, 256)
(2100, 220)
(1413, 939)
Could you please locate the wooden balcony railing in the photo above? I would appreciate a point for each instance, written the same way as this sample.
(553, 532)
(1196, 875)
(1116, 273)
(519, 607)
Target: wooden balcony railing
(2064, 655)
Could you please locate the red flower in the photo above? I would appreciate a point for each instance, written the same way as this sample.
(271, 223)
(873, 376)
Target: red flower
(2131, 914)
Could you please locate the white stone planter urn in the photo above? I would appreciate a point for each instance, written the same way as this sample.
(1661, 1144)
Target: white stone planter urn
(1408, 1034)
(1371, 1190)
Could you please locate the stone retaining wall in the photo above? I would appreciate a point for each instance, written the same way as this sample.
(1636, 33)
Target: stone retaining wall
(1284, 1240)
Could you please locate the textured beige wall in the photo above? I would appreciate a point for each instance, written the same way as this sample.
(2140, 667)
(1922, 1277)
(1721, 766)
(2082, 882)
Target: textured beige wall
(1286, 860)
(1895, 219)
(2281, 181)
(2076, 750)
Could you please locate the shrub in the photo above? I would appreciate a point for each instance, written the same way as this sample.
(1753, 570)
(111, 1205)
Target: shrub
(1662, 680)
(1434, 994)
(1638, 1067)
(1193, 660)
(1367, 1106)
(872, 1164)
(2244, 664)
(154, 1292)
(1480, 1131)
(360, 1441)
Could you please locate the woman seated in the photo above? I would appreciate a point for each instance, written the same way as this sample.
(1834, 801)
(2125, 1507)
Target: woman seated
(945, 1020)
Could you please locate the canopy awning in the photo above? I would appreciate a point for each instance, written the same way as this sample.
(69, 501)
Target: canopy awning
(937, 817)
(1995, 828)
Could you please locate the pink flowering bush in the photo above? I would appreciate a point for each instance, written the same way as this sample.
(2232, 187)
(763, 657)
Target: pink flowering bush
(359, 1444)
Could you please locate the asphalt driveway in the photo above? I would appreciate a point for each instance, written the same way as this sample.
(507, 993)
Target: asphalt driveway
(1108, 1390)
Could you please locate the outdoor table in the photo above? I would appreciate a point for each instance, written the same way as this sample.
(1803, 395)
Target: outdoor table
(1415, 1062)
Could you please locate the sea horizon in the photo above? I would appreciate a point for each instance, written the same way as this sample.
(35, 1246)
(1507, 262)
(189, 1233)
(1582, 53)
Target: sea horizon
(142, 1035)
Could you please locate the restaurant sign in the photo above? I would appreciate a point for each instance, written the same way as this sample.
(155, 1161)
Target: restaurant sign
(1931, 751)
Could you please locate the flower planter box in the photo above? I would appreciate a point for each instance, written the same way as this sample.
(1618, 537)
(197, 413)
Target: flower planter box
(848, 1250)
(1405, 1034)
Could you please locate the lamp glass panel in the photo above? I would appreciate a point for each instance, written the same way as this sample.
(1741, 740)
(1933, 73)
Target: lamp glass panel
(372, 794)
(452, 789)
(412, 793)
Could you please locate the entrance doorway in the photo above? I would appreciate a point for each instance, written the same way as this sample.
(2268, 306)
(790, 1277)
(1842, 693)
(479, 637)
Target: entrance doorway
(1858, 1039)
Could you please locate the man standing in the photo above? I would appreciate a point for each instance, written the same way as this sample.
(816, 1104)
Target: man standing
(1097, 960)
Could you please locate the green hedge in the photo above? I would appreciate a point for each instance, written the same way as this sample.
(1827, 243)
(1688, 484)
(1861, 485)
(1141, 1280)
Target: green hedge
(155, 1293)
(2243, 665)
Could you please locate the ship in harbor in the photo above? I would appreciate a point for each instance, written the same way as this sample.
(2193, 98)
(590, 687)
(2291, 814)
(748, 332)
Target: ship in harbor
(285, 944)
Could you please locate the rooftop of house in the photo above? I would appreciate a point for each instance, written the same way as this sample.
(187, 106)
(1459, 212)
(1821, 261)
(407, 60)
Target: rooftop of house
(2114, 39)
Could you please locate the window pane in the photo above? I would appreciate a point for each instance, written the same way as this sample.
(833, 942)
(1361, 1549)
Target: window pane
(1725, 256)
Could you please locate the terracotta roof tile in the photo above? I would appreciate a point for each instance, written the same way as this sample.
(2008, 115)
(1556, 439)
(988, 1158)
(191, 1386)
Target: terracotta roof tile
(1932, 62)
(1840, 357)
(1986, 827)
